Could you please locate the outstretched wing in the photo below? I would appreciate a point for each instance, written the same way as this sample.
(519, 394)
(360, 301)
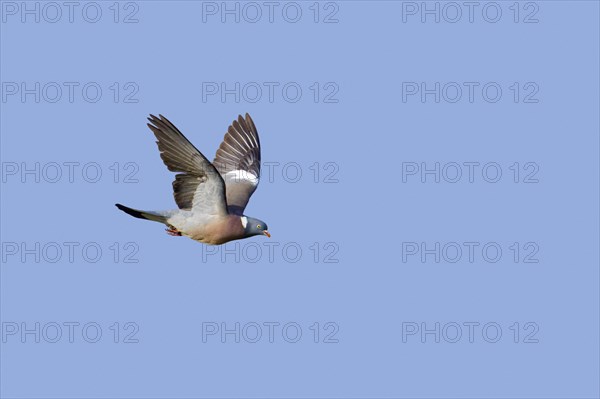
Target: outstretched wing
(238, 162)
(199, 187)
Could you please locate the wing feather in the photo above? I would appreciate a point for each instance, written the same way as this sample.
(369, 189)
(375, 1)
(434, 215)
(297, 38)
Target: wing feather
(238, 162)
(199, 186)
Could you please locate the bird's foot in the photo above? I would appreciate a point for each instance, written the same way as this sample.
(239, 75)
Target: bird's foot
(172, 231)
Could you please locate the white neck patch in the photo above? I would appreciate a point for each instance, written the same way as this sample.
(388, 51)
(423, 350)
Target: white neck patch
(244, 221)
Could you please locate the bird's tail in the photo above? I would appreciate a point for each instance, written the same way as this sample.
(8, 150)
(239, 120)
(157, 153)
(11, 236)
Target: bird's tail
(155, 217)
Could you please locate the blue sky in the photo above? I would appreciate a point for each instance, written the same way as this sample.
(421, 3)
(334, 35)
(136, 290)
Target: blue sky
(431, 187)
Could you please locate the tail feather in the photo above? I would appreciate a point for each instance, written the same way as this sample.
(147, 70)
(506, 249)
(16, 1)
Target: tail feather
(155, 217)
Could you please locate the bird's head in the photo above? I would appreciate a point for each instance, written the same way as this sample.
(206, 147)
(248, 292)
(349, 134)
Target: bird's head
(254, 227)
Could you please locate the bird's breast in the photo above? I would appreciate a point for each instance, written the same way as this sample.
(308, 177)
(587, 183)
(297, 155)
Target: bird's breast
(215, 231)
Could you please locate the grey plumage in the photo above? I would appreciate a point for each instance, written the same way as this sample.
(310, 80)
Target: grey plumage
(211, 196)
(148, 215)
(200, 184)
(239, 151)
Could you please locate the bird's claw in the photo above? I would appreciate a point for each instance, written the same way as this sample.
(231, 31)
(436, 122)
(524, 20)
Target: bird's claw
(173, 232)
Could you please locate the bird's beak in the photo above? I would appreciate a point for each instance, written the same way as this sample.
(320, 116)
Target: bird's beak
(267, 233)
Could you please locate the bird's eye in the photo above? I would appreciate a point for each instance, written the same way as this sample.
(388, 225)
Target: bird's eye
(258, 226)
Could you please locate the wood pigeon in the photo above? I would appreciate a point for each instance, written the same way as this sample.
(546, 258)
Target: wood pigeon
(211, 196)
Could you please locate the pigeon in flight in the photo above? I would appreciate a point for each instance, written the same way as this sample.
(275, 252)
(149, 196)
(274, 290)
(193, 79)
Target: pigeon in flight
(211, 196)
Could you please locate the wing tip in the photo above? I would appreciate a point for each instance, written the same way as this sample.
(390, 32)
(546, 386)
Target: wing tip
(161, 119)
(251, 124)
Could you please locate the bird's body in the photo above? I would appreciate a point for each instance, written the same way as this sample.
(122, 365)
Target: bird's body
(214, 230)
(211, 196)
